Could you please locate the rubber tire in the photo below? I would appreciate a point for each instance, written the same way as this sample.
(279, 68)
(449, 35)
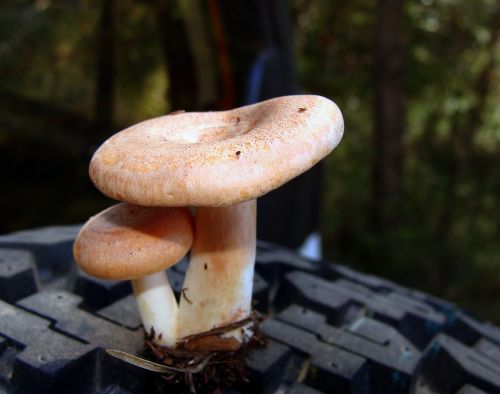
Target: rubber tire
(330, 329)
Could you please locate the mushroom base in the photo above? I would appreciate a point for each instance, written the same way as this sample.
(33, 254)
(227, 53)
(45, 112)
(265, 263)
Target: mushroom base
(221, 339)
(221, 360)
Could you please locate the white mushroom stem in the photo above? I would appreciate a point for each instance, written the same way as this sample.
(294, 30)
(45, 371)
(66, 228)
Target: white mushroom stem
(157, 307)
(217, 289)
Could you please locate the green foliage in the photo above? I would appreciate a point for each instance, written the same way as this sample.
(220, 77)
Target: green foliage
(447, 239)
(47, 52)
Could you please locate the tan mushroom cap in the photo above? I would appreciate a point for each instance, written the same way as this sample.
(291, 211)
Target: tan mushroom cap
(128, 241)
(217, 158)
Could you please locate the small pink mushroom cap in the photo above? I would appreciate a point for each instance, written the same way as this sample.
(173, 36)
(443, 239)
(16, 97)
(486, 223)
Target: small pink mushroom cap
(128, 241)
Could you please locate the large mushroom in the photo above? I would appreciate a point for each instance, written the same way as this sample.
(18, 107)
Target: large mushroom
(218, 162)
(129, 242)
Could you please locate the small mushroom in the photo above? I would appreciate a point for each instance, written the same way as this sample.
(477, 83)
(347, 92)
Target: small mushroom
(130, 242)
(189, 160)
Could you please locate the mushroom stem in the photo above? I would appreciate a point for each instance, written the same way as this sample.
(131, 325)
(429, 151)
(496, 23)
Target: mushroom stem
(157, 307)
(218, 285)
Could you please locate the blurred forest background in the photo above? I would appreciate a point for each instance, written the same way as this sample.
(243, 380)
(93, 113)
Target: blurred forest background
(411, 193)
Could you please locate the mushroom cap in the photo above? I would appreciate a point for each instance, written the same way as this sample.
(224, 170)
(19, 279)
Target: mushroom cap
(217, 158)
(127, 241)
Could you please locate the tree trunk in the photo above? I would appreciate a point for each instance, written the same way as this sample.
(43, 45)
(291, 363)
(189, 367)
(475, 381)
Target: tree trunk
(181, 94)
(104, 96)
(201, 47)
(389, 116)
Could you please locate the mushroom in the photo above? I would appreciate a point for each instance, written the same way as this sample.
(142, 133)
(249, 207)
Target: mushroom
(138, 243)
(219, 162)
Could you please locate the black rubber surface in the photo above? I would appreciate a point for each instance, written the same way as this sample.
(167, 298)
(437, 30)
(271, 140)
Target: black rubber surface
(331, 329)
